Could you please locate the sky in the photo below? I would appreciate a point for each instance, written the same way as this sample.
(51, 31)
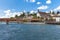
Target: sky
(9, 8)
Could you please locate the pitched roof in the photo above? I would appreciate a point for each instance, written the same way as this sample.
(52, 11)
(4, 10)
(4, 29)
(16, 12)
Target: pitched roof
(45, 15)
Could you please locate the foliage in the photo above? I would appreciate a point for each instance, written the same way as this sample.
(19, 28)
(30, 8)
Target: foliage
(58, 12)
(16, 16)
(53, 12)
(12, 18)
(50, 12)
(22, 15)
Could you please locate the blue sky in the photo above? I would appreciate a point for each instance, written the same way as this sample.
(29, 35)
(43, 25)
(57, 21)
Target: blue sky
(8, 7)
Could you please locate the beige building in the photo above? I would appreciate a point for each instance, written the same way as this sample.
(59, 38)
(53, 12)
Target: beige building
(57, 18)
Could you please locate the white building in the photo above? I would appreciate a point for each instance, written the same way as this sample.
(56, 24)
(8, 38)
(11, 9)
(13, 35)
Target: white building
(43, 14)
(57, 18)
(38, 15)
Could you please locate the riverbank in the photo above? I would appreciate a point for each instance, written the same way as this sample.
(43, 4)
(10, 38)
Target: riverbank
(33, 23)
(22, 22)
(14, 22)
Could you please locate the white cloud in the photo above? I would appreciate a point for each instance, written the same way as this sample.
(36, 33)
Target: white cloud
(24, 11)
(47, 11)
(9, 14)
(51, 10)
(42, 7)
(30, 0)
(14, 13)
(48, 2)
(38, 2)
(57, 9)
(2, 16)
(33, 11)
(26, 0)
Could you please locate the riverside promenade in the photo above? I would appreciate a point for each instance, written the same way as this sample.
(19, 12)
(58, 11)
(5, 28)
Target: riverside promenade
(15, 20)
(7, 20)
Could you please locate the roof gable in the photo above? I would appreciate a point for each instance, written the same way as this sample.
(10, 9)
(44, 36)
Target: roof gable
(45, 15)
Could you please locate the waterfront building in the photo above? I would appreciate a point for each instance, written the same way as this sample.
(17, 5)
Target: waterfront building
(44, 15)
(56, 18)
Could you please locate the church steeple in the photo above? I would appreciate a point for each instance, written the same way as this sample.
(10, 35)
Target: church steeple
(38, 10)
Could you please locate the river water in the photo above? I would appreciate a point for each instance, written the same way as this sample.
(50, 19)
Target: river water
(29, 32)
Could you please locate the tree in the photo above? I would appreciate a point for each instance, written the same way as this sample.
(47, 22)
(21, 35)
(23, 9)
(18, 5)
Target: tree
(34, 15)
(28, 13)
(12, 18)
(58, 12)
(53, 12)
(22, 15)
(50, 12)
(16, 16)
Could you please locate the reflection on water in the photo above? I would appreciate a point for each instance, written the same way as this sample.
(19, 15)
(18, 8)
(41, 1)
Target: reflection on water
(29, 32)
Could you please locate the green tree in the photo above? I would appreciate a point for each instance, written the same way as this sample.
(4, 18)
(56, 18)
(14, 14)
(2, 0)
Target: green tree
(53, 12)
(16, 16)
(28, 13)
(58, 12)
(34, 15)
(22, 15)
(50, 12)
(12, 18)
